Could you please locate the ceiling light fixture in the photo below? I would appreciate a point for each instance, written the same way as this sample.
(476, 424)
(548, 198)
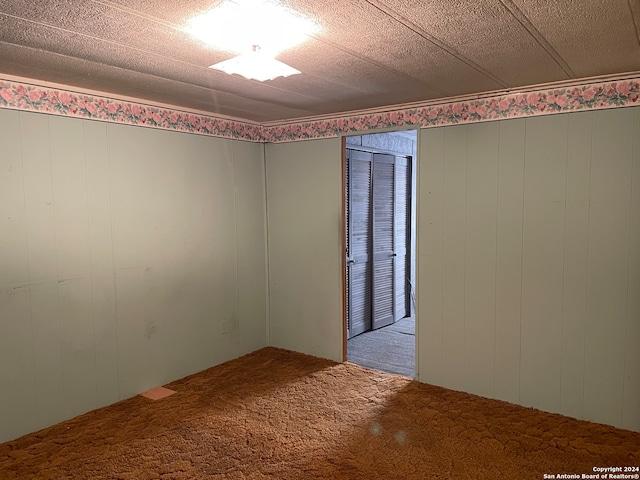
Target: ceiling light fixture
(255, 65)
(258, 30)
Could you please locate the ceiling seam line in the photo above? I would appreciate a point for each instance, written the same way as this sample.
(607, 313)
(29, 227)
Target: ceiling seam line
(436, 41)
(634, 6)
(538, 36)
(131, 11)
(379, 65)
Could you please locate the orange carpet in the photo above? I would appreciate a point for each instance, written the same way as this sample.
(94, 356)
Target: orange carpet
(279, 414)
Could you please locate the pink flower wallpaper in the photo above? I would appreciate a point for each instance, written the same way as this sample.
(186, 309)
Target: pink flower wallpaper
(20, 96)
(539, 102)
(622, 93)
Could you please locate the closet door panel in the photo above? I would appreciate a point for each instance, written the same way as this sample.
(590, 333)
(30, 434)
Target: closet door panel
(383, 240)
(359, 258)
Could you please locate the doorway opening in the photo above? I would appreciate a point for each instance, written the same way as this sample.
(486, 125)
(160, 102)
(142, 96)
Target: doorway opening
(380, 213)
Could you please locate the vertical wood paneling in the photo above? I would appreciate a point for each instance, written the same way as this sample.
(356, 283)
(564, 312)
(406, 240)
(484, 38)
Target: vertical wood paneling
(47, 345)
(567, 250)
(480, 258)
(43, 267)
(40, 217)
(96, 158)
(453, 253)
(174, 207)
(209, 233)
(306, 232)
(18, 409)
(213, 236)
(75, 304)
(135, 326)
(430, 250)
(137, 329)
(70, 197)
(66, 186)
(542, 262)
(576, 244)
(101, 255)
(249, 197)
(140, 234)
(13, 262)
(509, 259)
(78, 346)
(630, 408)
(608, 265)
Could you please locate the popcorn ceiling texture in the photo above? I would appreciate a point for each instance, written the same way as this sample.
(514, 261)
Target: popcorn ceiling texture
(368, 53)
(280, 414)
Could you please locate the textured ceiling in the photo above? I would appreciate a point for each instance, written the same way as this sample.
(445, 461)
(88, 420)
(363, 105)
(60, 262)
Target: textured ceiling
(369, 53)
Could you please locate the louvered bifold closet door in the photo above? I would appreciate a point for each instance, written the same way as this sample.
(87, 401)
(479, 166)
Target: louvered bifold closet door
(383, 240)
(402, 222)
(359, 233)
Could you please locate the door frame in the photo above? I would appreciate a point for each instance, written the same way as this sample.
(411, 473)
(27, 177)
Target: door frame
(413, 229)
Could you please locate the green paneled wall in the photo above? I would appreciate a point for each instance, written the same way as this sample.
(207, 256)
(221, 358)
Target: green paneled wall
(129, 257)
(529, 272)
(304, 200)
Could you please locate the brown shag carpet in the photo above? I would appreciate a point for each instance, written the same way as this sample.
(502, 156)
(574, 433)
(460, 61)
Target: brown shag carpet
(279, 414)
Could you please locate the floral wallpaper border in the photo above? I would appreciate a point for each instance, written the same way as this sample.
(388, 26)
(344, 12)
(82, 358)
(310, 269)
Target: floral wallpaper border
(544, 101)
(621, 93)
(22, 96)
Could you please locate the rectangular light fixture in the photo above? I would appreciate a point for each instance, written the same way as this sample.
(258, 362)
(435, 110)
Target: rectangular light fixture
(255, 66)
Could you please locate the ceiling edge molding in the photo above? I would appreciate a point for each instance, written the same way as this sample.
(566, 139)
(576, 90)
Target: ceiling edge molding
(587, 94)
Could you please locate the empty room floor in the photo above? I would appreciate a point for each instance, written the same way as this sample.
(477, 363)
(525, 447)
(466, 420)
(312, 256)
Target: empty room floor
(390, 349)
